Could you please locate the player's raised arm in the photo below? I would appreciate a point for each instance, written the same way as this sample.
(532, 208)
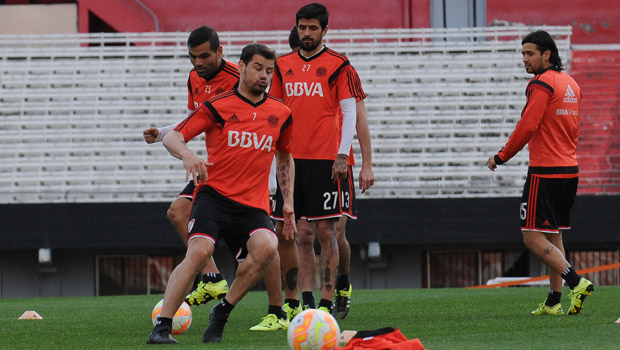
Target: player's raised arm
(286, 178)
(194, 165)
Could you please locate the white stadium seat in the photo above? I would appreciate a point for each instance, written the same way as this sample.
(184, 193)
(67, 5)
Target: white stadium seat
(73, 107)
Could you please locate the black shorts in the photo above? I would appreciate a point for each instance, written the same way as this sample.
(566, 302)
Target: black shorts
(547, 202)
(216, 217)
(188, 191)
(316, 197)
(347, 195)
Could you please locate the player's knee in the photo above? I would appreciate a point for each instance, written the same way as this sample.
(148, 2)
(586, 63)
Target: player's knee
(264, 250)
(529, 241)
(305, 238)
(173, 214)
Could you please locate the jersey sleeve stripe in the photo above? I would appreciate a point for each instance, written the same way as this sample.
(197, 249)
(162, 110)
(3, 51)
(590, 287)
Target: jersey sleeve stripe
(231, 70)
(274, 98)
(287, 123)
(277, 71)
(184, 122)
(537, 84)
(355, 85)
(213, 112)
(335, 75)
(337, 54)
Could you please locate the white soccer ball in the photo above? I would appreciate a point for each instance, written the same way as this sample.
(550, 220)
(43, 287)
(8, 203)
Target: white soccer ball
(313, 329)
(182, 318)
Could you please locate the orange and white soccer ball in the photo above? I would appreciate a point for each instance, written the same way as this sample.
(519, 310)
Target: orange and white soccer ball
(182, 318)
(313, 330)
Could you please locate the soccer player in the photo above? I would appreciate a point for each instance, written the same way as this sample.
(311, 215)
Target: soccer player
(550, 126)
(315, 82)
(344, 288)
(243, 129)
(210, 76)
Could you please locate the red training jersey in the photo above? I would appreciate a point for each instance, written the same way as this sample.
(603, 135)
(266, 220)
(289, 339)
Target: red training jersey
(313, 88)
(200, 89)
(241, 140)
(549, 123)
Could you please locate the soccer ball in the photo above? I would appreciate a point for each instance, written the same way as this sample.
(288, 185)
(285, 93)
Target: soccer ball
(313, 329)
(182, 318)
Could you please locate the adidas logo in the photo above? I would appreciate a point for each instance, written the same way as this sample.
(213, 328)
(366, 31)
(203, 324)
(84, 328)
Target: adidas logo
(546, 223)
(233, 118)
(289, 72)
(569, 96)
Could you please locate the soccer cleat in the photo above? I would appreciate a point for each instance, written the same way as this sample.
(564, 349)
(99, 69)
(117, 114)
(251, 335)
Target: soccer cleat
(206, 292)
(342, 303)
(161, 335)
(326, 309)
(578, 295)
(290, 312)
(548, 310)
(271, 322)
(215, 329)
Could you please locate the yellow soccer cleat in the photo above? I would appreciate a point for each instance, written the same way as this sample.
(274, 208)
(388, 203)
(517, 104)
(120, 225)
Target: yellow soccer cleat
(549, 310)
(271, 323)
(323, 308)
(290, 312)
(578, 295)
(206, 292)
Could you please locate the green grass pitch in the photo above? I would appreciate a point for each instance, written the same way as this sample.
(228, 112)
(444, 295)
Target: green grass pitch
(441, 318)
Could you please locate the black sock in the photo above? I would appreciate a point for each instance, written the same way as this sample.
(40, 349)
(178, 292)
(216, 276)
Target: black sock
(571, 277)
(553, 297)
(276, 310)
(292, 303)
(164, 322)
(308, 299)
(224, 308)
(342, 282)
(326, 303)
(211, 277)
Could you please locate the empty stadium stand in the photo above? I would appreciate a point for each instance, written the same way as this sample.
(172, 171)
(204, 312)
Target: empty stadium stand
(73, 108)
(596, 70)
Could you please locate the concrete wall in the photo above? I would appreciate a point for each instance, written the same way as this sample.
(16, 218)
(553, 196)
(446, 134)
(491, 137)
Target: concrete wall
(71, 274)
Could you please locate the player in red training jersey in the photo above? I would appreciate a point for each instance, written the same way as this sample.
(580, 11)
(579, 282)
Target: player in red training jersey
(243, 129)
(550, 126)
(315, 83)
(210, 76)
(279, 317)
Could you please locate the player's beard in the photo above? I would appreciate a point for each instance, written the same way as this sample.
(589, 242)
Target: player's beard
(310, 46)
(256, 89)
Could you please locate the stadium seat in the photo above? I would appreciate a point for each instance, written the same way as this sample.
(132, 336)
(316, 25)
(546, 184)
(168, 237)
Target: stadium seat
(73, 107)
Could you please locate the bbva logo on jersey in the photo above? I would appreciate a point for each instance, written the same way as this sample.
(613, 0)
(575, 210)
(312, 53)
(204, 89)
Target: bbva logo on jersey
(303, 89)
(248, 139)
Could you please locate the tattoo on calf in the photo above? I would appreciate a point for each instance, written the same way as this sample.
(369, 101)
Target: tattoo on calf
(546, 252)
